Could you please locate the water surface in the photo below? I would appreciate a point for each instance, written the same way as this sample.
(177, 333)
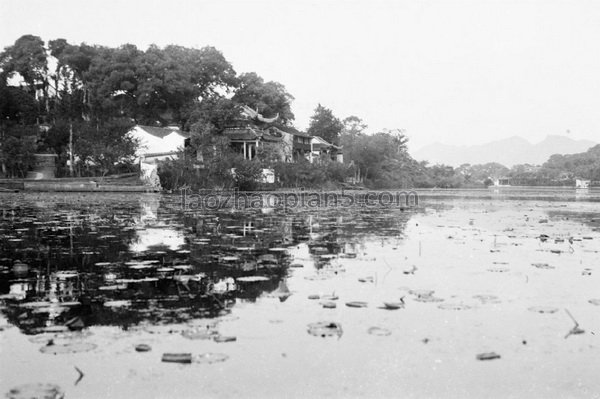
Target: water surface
(86, 278)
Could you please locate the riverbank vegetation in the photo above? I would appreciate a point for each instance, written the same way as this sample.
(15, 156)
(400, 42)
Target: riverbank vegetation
(79, 101)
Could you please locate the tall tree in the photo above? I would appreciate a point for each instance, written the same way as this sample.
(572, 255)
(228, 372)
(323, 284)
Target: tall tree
(28, 58)
(269, 99)
(325, 125)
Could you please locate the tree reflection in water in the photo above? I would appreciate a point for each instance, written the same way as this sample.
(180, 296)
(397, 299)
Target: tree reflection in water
(71, 261)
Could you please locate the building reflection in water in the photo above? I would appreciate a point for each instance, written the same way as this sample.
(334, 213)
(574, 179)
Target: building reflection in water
(127, 262)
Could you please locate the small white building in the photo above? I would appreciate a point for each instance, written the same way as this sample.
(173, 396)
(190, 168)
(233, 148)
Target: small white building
(320, 147)
(156, 144)
(582, 183)
(501, 182)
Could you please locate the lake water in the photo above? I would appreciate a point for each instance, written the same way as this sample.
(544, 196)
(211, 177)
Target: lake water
(470, 294)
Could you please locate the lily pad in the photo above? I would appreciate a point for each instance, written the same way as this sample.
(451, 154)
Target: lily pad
(209, 358)
(325, 329)
(488, 356)
(143, 348)
(318, 277)
(421, 292)
(66, 274)
(393, 305)
(542, 266)
(379, 331)
(428, 299)
(68, 348)
(498, 269)
(224, 338)
(199, 333)
(357, 304)
(595, 301)
(329, 305)
(543, 309)
(36, 391)
(252, 279)
(117, 304)
(487, 298)
(177, 357)
(454, 306)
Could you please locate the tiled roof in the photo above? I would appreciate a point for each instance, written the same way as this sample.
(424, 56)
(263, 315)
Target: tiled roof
(291, 130)
(240, 134)
(320, 142)
(162, 132)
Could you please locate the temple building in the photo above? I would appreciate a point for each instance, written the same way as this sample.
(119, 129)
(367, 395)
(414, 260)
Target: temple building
(252, 131)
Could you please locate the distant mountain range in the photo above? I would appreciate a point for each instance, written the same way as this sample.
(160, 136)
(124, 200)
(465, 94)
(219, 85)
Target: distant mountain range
(508, 152)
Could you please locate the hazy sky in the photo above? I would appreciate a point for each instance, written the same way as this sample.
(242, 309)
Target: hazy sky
(463, 72)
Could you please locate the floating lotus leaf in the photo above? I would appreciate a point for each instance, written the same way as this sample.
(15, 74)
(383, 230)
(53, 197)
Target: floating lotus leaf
(68, 348)
(199, 333)
(36, 304)
(113, 287)
(487, 298)
(542, 266)
(66, 274)
(177, 357)
(454, 306)
(117, 304)
(252, 279)
(379, 331)
(498, 269)
(543, 309)
(224, 338)
(36, 391)
(143, 348)
(140, 266)
(277, 249)
(595, 301)
(329, 305)
(325, 329)
(209, 358)
(317, 277)
(421, 292)
(488, 356)
(393, 305)
(357, 304)
(428, 299)
(102, 264)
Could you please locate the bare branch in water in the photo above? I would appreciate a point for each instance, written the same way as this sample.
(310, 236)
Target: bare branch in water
(575, 330)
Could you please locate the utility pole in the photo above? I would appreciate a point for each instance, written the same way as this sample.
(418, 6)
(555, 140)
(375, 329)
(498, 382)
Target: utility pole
(71, 149)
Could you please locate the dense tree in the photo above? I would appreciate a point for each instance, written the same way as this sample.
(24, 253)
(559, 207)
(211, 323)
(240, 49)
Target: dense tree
(325, 125)
(16, 151)
(103, 147)
(381, 158)
(27, 57)
(585, 165)
(269, 99)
